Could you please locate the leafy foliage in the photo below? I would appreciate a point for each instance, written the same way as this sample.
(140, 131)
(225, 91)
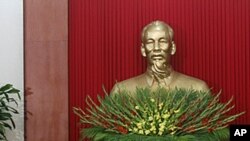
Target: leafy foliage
(163, 114)
(6, 97)
(99, 134)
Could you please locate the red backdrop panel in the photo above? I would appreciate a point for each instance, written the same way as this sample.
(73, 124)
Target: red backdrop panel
(212, 39)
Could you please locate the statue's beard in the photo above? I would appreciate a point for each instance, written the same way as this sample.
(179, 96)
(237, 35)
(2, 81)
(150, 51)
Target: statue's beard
(160, 69)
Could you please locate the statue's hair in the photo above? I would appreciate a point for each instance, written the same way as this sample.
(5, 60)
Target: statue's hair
(159, 25)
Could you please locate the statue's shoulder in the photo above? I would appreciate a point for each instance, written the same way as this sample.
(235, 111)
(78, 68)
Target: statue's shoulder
(190, 82)
(130, 84)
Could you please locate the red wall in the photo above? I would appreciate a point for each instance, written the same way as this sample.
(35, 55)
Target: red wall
(212, 38)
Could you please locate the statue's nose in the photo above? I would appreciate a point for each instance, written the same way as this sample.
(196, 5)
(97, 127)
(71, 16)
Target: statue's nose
(156, 46)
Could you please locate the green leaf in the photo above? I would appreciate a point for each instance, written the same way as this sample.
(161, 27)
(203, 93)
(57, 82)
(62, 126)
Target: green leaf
(13, 91)
(6, 87)
(5, 116)
(7, 125)
(99, 136)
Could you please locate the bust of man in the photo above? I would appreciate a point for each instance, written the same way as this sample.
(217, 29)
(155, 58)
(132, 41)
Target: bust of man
(158, 47)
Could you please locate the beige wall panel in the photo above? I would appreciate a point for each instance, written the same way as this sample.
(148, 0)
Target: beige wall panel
(47, 93)
(46, 70)
(46, 20)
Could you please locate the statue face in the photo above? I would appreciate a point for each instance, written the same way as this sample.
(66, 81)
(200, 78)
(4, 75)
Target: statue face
(156, 46)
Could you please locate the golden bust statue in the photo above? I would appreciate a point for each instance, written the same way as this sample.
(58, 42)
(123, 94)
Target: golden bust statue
(157, 47)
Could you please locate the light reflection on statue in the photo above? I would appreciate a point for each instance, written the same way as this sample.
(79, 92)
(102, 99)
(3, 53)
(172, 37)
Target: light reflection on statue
(157, 47)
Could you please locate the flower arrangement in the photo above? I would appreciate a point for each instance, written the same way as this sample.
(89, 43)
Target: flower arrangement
(164, 115)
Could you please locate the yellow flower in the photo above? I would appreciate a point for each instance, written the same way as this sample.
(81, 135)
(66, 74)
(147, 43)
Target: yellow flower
(172, 132)
(161, 129)
(150, 118)
(135, 129)
(139, 125)
(152, 123)
(152, 128)
(160, 133)
(176, 111)
(157, 116)
(162, 124)
(143, 122)
(140, 132)
(160, 106)
(172, 127)
(165, 115)
(152, 100)
(137, 107)
(147, 132)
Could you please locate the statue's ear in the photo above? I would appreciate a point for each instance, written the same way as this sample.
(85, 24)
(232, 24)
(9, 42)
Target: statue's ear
(173, 48)
(143, 52)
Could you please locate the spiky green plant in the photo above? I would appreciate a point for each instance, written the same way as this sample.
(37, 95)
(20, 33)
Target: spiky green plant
(160, 113)
(6, 111)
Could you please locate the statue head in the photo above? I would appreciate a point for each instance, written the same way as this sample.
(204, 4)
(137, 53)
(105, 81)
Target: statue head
(157, 44)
